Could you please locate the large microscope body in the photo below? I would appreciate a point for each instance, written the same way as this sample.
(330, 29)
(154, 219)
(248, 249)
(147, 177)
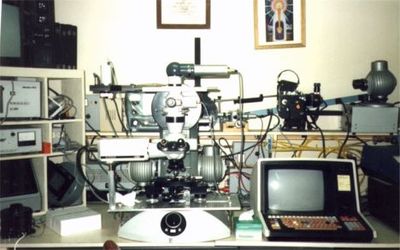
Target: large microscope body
(177, 178)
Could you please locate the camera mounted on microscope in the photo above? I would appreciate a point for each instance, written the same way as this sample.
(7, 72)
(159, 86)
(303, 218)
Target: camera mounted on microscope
(292, 105)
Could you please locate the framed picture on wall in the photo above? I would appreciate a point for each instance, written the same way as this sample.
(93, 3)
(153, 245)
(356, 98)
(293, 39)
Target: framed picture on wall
(279, 24)
(183, 14)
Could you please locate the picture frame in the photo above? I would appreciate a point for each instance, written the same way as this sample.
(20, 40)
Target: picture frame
(183, 14)
(279, 24)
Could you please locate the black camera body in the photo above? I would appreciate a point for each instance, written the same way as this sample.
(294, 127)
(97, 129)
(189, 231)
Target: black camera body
(293, 106)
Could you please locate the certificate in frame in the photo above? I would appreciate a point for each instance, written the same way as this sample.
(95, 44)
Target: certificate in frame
(183, 14)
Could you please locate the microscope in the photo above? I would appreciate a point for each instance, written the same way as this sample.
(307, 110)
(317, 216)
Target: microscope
(177, 197)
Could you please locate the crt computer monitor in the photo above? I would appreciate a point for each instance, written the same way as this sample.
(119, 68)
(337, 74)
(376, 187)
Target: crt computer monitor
(307, 186)
(12, 32)
(301, 187)
(305, 194)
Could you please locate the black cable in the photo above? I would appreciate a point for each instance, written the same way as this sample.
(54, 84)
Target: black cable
(260, 148)
(323, 141)
(69, 103)
(92, 141)
(347, 132)
(127, 177)
(109, 117)
(61, 135)
(301, 144)
(313, 124)
(12, 94)
(120, 118)
(80, 169)
(361, 140)
(288, 70)
(113, 74)
(259, 142)
(93, 129)
(242, 140)
(230, 156)
(97, 79)
(262, 138)
(54, 92)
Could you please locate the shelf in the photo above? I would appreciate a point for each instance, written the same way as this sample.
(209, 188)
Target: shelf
(53, 83)
(40, 72)
(38, 122)
(21, 156)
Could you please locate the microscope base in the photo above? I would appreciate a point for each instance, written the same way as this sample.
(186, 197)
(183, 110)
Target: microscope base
(194, 225)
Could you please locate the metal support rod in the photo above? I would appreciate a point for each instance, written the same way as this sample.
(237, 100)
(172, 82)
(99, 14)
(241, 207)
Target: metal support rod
(111, 188)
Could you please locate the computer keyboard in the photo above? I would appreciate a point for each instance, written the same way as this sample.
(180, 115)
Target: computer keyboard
(330, 223)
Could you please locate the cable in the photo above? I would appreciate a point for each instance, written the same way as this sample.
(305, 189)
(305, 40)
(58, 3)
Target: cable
(126, 177)
(347, 132)
(19, 239)
(313, 124)
(93, 129)
(120, 118)
(361, 140)
(100, 164)
(12, 94)
(67, 102)
(263, 136)
(113, 74)
(216, 182)
(260, 148)
(54, 92)
(92, 140)
(301, 144)
(323, 141)
(61, 136)
(242, 135)
(97, 195)
(97, 79)
(109, 117)
(288, 70)
(79, 166)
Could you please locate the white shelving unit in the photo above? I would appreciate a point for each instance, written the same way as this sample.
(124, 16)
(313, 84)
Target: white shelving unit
(66, 82)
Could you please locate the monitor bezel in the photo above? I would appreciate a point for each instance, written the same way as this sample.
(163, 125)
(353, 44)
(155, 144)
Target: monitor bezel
(329, 168)
(16, 61)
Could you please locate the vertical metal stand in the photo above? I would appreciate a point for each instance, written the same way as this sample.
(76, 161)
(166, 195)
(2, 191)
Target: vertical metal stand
(111, 188)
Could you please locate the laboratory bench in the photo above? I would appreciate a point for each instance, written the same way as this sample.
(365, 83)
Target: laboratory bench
(45, 238)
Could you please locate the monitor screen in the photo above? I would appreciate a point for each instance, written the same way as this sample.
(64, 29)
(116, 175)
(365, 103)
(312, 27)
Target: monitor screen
(10, 38)
(296, 190)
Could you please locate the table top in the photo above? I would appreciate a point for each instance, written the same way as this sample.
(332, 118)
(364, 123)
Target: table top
(44, 237)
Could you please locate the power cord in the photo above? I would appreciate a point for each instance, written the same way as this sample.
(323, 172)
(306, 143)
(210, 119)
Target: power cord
(19, 240)
(347, 132)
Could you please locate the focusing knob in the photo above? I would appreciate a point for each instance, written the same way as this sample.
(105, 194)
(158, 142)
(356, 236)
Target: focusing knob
(173, 223)
(171, 102)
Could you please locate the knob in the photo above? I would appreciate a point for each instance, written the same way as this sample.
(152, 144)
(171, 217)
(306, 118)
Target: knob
(173, 223)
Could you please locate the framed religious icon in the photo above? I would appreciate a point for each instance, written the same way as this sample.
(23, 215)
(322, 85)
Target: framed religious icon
(279, 24)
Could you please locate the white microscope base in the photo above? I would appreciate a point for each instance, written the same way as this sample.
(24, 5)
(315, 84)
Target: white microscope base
(200, 226)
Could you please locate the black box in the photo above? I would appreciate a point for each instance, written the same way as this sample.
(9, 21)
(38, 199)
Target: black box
(65, 46)
(383, 201)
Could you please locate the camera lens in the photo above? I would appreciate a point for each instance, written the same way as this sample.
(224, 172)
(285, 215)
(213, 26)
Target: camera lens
(360, 84)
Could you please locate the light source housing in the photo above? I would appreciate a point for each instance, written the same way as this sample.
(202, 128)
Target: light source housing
(379, 83)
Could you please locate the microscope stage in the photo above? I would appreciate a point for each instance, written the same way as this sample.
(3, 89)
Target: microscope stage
(212, 202)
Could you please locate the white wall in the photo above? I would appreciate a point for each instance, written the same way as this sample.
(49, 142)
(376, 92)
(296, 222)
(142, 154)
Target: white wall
(343, 38)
